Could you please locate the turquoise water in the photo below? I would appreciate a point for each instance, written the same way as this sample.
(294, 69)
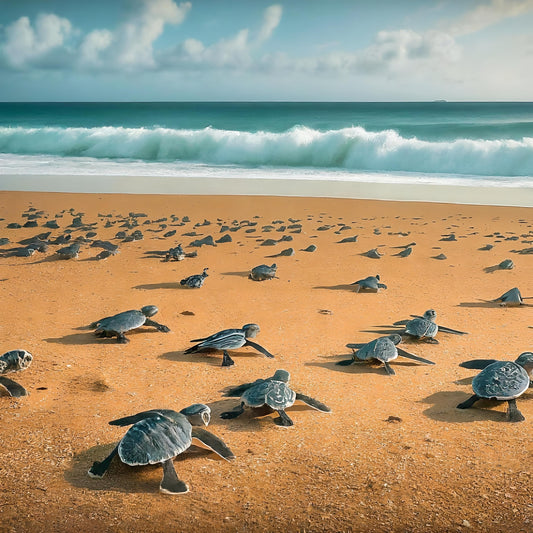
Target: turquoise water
(393, 142)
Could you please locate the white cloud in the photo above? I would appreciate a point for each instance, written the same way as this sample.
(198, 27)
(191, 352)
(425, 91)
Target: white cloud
(486, 15)
(271, 20)
(27, 45)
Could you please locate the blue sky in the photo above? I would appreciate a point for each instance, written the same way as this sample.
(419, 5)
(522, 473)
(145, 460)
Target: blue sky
(348, 50)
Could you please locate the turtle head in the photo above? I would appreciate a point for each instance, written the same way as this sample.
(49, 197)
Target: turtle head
(251, 330)
(525, 360)
(430, 314)
(197, 414)
(149, 310)
(204, 273)
(281, 375)
(395, 338)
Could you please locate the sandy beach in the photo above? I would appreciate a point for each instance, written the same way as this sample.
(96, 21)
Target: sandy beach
(395, 454)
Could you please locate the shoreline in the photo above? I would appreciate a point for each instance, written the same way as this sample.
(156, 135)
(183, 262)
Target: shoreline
(311, 188)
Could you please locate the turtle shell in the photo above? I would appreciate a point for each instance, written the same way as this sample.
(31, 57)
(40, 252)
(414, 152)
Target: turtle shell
(502, 380)
(421, 327)
(155, 439)
(263, 272)
(275, 394)
(382, 349)
(122, 322)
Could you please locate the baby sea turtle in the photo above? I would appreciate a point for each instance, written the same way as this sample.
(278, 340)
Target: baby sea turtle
(424, 327)
(14, 361)
(229, 339)
(159, 435)
(371, 283)
(69, 252)
(121, 323)
(512, 298)
(382, 349)
(195, 281)
(175, 254)
(504, 381)
(273, 392)
(263, 272)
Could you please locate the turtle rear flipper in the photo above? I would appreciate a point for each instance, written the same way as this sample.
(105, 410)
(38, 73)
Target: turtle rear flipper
(468, 403)
(99, 468)
(450, 330)
(345, 362)
(213, 443)
(477, 364)
(513, 414)
(259, 348)
(171, 484)
(234, 413)
(13, 388)
(311, 402)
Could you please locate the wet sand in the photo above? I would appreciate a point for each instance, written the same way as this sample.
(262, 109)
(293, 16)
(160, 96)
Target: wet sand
(394, 455)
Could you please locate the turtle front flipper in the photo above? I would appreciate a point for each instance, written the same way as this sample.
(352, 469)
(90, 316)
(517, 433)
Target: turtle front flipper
(156, 325)
(226, 359)
(283, 419)
(513, 414)
(450, 330)
(13, 388)
(234, 413)
(469, 403)
(259, 348)
(171, 484)
(213, 443)
(430, 340)
(407, 355)
(133, 419)
(390, 371)
(100, 468)
(311, 402)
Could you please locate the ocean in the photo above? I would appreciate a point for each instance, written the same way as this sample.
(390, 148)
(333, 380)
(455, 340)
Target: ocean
(488, 144)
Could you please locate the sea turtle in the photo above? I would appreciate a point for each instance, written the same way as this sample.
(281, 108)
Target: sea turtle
(424, 327)
(120, 323)
(229, 339)
(381, 349)
(263, 272)
(504, 381)
(195, 281)
(159, 435)
(512, 298)
(175, 254)
(371, 283)
(14, 361)
(69, 252)
(273, 392)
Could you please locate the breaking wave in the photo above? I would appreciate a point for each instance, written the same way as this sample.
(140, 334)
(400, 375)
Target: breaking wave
(349, 149)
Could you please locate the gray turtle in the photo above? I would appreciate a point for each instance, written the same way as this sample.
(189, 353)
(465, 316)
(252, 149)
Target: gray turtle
(274, 393)
(195, 281)
(121, 323)
(512, 298)
(371, 284)
(424, 327)
(503, 381)
(263, 272)
(14, 361)
(159, 435)
(382, 349)
(229, 339)
(175, 254)
(69, 252)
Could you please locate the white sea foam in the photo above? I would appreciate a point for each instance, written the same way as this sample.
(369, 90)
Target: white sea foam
(299, 150)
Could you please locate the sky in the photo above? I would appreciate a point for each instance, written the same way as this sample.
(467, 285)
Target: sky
(257, 50)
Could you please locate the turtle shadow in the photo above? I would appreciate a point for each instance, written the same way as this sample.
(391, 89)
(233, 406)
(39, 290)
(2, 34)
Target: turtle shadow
(444, 408)
(152, 286)
(342, 287)
(211, 357)
(491, 269)
(243, 274)
(485, 305)
(91, 338)
(362, 367)
(121, 477)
